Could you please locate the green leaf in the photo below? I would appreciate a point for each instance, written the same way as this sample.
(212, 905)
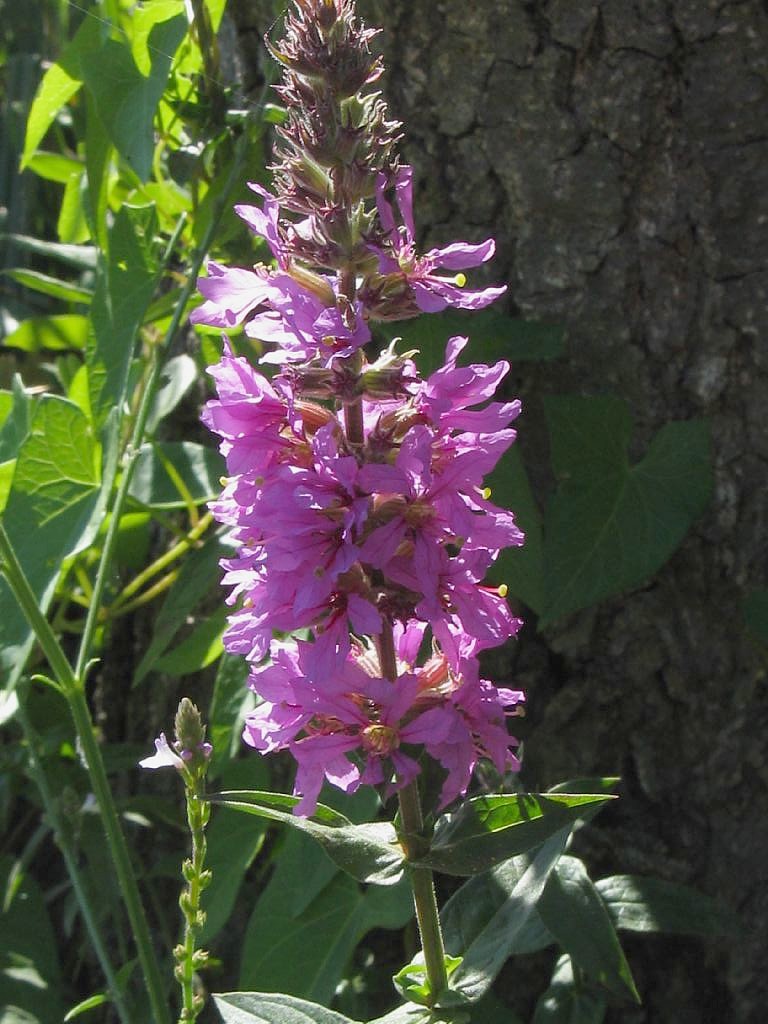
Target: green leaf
(755, 609)
(124, 288)
(125, 100)
(233, 842)
(474, 904)
(54, 509)
(229, 705)
(642, 904)
(268, 1008)
(492, 335)
(612, 524)
(81, 257)
(573, 912)
(197, 651)
(178, 376)
(200, 469)
(488, 829)
(522, 569)
(29, 967)
(57, 333)
(195, 578)
(567, 1002)
(412, 981)
(47, 285)
(54, 166)
(369, 853)
(60, 83)
(87, 1004)
(490, 948)
(306, 954)
(17, 421)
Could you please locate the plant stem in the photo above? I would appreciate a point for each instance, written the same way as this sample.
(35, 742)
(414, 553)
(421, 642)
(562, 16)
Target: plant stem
(415, 844)
(198, 810)
(163, 561)
(62, 841)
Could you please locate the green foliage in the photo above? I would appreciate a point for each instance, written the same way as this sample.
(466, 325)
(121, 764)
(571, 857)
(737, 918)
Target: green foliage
(369, 853)
(249, 1007)
(489, 829)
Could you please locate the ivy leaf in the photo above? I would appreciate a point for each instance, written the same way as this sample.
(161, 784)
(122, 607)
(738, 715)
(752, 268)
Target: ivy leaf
(642, 904)
(269, 1008)
(612, 524)
(572, 911)
(488, 829)
(492, 335)
(54, 509)
(125, 283)
(369, 853)
(60, 83)
(522, 569)
(125, 100)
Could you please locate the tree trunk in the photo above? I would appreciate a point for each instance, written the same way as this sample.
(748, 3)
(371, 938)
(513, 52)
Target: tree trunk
(618, 152)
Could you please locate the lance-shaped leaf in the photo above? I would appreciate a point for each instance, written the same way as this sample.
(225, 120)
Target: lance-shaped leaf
(488, 829)
(573, 912)
(642, 904)
(272, 1008)
(490, 948)
(370, 853)
(473, 905)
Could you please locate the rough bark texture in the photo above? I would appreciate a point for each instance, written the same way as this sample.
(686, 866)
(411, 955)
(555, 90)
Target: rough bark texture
(618, 151)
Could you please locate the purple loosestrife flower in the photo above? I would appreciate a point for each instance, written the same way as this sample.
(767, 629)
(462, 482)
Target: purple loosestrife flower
(355, 495)
(404, 272)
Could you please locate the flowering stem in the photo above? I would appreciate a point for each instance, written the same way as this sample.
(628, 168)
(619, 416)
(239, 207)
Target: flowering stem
(415, 845)
(188, 959)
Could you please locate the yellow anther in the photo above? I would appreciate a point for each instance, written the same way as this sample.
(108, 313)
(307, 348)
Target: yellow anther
(486, 493)
(223, 480)
(460, 280)
(329, 341)
(503, 590)
(248, 602)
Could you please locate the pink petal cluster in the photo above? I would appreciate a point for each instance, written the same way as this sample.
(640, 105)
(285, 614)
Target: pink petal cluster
(347, 540)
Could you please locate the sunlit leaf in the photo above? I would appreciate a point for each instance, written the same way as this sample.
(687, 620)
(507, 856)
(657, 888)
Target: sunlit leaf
(54, 509)
(125, 100)
(268, 1008)
(68, 331)
(60, 83)
(488, 829)
(47, 285)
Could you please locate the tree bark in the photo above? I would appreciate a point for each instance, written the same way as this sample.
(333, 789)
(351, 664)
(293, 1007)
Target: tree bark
(618, 152)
